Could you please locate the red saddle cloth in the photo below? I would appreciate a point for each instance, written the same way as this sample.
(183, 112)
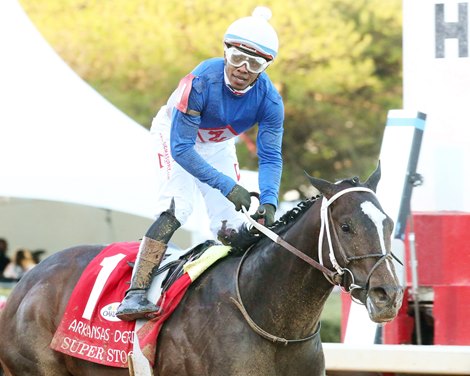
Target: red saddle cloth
(90, 329)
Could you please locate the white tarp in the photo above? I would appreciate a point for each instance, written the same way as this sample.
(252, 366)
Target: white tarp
(61, 140)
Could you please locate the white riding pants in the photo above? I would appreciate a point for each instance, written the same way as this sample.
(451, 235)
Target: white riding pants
(175, 182)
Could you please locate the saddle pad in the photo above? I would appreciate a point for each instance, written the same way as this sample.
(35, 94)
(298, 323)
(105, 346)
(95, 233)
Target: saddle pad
(89, 328)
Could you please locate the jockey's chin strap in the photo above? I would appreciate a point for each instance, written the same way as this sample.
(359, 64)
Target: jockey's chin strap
(329, 274)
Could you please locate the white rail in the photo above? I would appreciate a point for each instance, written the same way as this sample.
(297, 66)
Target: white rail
(432, 360)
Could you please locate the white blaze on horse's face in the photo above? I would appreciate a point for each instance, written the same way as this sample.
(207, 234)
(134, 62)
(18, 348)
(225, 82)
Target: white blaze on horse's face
(377, 217)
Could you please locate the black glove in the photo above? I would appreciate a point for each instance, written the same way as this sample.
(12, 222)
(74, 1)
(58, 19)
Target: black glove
(265, 212)
(239, 196)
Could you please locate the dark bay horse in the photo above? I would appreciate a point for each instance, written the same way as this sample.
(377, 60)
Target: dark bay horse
(256, 314)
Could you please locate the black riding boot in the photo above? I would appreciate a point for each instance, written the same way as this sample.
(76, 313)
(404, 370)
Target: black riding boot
(152, 248)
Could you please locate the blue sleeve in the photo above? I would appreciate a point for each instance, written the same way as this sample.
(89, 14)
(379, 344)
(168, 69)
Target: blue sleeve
(184, 129)
(269, 145)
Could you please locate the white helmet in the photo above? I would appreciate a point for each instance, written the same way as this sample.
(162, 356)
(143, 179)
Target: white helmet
(254, 33)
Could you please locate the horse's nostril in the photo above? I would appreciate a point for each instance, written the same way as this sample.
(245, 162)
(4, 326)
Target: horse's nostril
(384, 295)
(379, 295)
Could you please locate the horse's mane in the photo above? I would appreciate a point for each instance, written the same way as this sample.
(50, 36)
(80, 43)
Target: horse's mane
(245, 238)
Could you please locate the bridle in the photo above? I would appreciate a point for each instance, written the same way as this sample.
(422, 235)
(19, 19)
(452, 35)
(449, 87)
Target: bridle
(325, 228)
(334, 277)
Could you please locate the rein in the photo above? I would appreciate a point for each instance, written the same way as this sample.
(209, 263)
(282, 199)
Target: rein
(263, 333)
(334, 277)
(277, 239)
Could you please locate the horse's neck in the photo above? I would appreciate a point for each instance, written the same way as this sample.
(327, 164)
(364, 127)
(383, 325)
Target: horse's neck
(283, 290)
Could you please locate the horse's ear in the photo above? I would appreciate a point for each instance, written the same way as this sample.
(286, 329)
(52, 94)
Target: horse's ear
(374, 178)
(325, 187)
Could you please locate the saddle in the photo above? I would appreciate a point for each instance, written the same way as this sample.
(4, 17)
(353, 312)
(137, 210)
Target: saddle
(176, 268)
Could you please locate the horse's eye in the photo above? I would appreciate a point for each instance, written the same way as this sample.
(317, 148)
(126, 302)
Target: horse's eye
(345, 227)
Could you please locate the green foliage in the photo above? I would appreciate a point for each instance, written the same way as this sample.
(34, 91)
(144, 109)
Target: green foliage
(331, 319)
(339, 66)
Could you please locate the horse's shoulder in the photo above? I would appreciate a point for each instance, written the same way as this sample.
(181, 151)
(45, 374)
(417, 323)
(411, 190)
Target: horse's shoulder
(219, 278)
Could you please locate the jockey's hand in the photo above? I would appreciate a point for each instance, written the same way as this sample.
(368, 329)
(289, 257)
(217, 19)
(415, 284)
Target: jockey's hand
(265, 212)
(239, 196)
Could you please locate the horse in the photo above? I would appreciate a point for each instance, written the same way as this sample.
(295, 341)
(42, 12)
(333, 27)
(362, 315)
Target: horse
(255, 312)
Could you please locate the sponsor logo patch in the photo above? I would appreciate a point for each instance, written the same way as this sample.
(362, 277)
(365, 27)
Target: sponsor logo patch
(108, 312)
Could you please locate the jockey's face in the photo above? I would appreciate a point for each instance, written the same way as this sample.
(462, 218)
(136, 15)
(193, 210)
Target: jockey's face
(240, 78)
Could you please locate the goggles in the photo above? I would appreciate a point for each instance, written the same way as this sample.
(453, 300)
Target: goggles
(254, 64)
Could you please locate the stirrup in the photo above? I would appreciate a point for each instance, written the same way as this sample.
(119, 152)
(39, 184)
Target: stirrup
(136, 315)
(135, 305)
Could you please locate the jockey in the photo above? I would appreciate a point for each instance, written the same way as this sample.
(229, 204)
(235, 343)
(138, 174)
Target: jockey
(195, 137)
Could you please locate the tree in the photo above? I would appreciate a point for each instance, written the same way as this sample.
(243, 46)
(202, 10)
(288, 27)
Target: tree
(339, 67)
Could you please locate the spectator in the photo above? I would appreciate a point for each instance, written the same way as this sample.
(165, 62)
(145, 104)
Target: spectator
(37, 254)
(4, 259)
(23, 262)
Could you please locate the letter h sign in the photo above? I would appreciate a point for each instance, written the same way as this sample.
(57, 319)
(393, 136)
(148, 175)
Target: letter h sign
(449, 30)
